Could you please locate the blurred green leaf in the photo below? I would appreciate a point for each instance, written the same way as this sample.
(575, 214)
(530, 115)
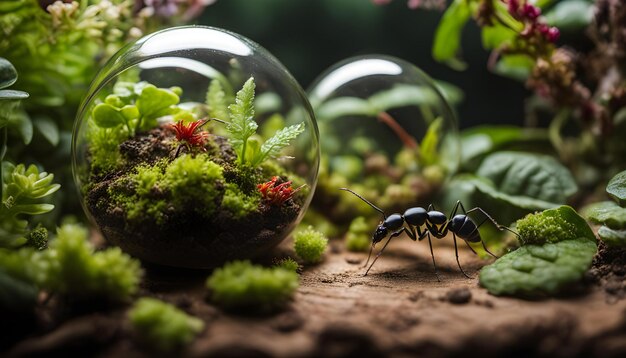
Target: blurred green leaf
(345, 106)
(617, 188)
(12, 95)
(447, 40)
(20, 121)
(606, 213)
(428, 152)
(613, 238)
(538, 270)
(453, 94)
(403, 95)
(48, 129)
(571, 15)
(497, 35)
(537, 177)
(517, 67)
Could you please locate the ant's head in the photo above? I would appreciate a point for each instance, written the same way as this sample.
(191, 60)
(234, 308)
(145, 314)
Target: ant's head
(379, 234)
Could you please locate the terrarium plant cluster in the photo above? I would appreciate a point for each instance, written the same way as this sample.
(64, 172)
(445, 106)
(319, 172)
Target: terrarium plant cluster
(158, 178)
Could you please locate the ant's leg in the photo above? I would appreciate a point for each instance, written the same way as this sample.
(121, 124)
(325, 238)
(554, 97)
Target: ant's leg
(430, 244)
(456, 252)
(489, 252)
(454, 210)
(412, 233)
(500, 227)
(370, 254)
(383, 249)
(470, 247)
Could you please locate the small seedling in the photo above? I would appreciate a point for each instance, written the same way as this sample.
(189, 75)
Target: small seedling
(190, 134)
(310, 245)
(437, 225)
(162, 325)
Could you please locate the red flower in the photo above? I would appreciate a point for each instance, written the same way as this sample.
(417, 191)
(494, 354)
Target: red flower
(277, 194)
(189, 134)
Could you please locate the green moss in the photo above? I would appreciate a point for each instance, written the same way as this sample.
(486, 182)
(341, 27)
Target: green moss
(553, 225)
(104, 151)
(194, 181)
(37, 238)
(359, 235)
(77, 271)
(310, 245)
(162, 325)
(240, 284)
(238, 203)
(288, 264)
(146, 178)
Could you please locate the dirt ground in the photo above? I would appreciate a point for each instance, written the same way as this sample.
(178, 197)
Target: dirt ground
(399, 310)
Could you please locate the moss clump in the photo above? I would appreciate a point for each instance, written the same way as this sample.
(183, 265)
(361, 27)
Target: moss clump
(104, 148)
(310, 245)
(358, 238)
(239, 204)
(162, 325)
(240, 284)
(194, 181)
(76, 271)
(553, 225)
(288, 264)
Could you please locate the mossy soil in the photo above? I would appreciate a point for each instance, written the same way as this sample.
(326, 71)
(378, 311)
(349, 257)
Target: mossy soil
(398, 310)
(187, 224)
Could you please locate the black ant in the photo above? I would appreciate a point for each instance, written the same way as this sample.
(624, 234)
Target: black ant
(437, 225)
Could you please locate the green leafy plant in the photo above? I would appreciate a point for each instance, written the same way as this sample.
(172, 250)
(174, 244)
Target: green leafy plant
(557, 248)
(240, 284)
(162, 325)
(242, 125)
(310, 245)
(359, 234)
(611, 215)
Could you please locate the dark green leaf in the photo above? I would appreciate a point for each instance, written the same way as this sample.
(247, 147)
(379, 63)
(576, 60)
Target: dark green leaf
(8, 74)
(20, 121)
(606, 213)
(613, 238)
(537, 177)
(617, 188)
(107, 116)
(448, 34)
(537, 270)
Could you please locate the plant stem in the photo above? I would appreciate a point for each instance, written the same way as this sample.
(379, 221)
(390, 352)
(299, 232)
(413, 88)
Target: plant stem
(554, 131)
(405, 137)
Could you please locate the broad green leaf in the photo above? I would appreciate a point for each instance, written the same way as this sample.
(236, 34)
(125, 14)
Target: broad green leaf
(344, 106)
(107, 116)
(48, 129)
(32, 209)
(617, 188)
(539, 270)
(535, 176)
(613, 238)
(448, 34)
(606, 213)
(8, 74)
(153, 100)
(129, 112)
(571, 15)
(519, 201)
(479, 141)
(428, 153)
(553, 225)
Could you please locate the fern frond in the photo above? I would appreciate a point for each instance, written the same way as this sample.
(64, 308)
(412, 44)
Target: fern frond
(272, 147)
(242, 125)
(216, 101)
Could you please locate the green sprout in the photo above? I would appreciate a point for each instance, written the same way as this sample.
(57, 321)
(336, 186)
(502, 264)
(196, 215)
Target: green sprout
(162, 325)
(240, 284)
(288, 264)
(310, 245)
(242, 126)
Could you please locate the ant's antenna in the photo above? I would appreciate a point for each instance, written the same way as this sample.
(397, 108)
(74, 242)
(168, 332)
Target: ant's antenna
(367, 201)
(217, 120)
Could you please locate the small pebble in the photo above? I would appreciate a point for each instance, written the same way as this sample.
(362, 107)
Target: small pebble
(353, 260)
(459, 296)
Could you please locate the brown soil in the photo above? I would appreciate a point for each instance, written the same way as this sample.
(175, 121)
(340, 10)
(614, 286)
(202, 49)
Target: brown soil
(186, 237)
(399, 309)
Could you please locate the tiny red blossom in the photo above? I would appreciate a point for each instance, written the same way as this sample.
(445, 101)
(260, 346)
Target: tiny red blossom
(277, 194)
(189, 134)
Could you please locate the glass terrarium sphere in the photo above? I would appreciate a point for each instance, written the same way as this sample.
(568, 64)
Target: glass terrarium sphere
(195, 146)
(386, 129)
